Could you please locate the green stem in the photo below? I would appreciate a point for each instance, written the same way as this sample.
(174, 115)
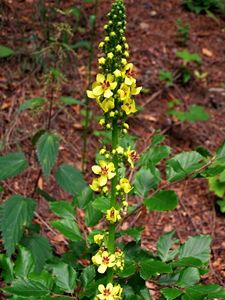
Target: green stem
(112, 227)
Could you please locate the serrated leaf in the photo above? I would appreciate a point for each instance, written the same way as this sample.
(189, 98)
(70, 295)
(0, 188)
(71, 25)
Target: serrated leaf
(187, 262)
(144, 181)
(17, 213)
(87, 275)
(36, 285)
(129, 269)
(24, 263)
(68, 228)
(62, 209)
(84, 198)
(221, 204)
(102, 203)
(12, 164)
(164, 245)
(171, 293)
(33, 103)
(47, 152)
(40, 249)
(92, 215)
(65, 277)
(70, 179)
(197, 247)
(188, 277)
(150, 267)
(5, 51)
(162, 201)
(183, 164)
(154, 155)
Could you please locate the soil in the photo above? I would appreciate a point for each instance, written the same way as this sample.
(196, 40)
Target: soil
(152, 36)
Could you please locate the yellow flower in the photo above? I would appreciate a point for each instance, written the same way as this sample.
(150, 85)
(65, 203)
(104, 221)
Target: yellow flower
(124, 185)
(107, 104)
(113, 215)
(95, 186)
(129, 107)
(101, 45)
(109, 292)
(129, 73)
(135, 90)
(104, 85)
(110, 55)
(105, 170)
(98, 239)
(120, 150)
(119, 263)
(101, 60)
(118, 48)
(104, 260)
(117, 73)
(132, 156)
(124, 92)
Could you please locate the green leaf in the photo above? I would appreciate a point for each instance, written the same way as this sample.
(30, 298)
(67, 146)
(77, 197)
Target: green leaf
(188, 57)
(84, 198)
(65, 277)
(92, 215)
(87, 275)
(221, 204)
(102, 203)
(210, 291)
(129, 269)
(187, 262)
(47, 152)
(188, 277)
(196, 113)
(12, 164)
(183, 164)
(36, 285)
(217, 187)
(134, 232)
(6, 266)
(197, 247)
(17, 213)
(164, 245)
(144, 181)
(71, 101)
(33, 103)
(62, 209)
(162, 201)
(24, 263)
(82, 44)
(220, 153)
(70, 179)
(40, 249)
(5, 51)
(150, 267)
(171, 293)
(154, 155)
(68, 228)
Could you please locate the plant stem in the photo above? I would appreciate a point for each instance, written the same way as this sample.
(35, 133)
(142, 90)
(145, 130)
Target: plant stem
(112, 227)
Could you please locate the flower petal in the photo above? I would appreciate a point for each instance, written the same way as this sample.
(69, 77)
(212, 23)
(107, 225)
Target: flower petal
(108, 93)
(96, 169)
(100, 78)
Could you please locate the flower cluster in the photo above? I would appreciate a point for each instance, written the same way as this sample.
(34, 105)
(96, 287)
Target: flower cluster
(113, 90)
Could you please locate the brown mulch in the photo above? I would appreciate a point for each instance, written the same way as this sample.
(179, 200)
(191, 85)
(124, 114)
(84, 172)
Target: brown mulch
(151, 33)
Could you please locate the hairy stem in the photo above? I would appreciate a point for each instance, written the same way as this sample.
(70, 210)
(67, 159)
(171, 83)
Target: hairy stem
(112, 227)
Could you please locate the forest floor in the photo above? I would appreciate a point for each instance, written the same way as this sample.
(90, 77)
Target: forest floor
(152, 36)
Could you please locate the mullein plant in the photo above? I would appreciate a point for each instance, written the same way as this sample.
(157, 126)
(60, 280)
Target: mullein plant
(113, 91)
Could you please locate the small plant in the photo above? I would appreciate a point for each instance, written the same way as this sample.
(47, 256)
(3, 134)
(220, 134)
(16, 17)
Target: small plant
(183, 30)
(98, 262)
(166, 76)
(187, 58)
(193, 113)
(204, 6)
